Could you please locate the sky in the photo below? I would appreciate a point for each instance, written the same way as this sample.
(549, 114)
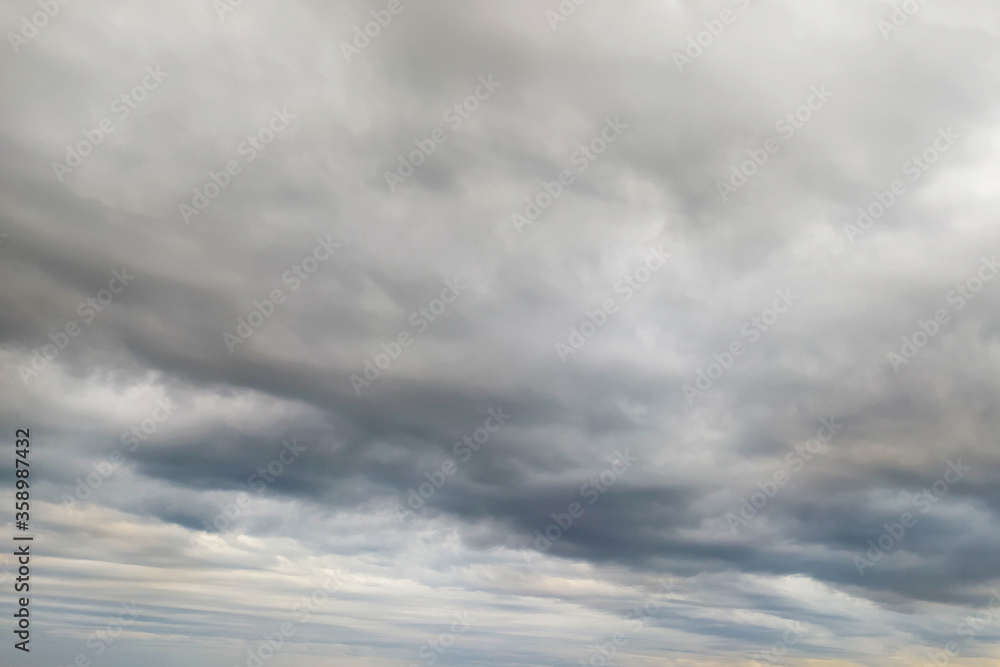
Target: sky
(521, 333)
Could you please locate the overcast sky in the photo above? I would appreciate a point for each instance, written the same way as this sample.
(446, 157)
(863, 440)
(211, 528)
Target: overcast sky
(643, 332)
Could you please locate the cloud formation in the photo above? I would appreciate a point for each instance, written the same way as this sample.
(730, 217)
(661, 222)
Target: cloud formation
(643, 302)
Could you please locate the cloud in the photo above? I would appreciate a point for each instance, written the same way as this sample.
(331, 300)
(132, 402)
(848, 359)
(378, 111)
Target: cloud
(210, 593)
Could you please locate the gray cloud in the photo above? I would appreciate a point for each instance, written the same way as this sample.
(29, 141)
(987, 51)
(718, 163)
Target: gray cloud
(209, 594)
